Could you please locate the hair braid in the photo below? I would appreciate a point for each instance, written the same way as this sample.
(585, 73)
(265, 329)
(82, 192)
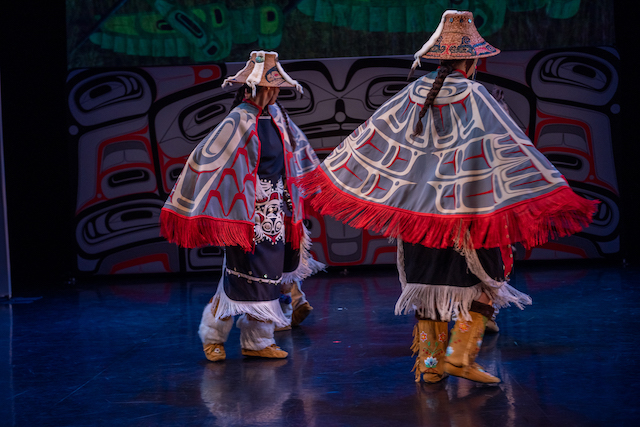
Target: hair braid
(286, 120)
(446, 68)
(239, 96)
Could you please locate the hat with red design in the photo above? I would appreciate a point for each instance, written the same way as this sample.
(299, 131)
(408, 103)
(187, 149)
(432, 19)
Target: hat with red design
(455, 38)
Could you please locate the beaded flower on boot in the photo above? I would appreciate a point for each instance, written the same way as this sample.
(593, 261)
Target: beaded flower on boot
(429, 341)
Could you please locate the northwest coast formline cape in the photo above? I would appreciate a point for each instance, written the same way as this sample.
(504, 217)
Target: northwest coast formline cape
(472, 179)
(213, 199)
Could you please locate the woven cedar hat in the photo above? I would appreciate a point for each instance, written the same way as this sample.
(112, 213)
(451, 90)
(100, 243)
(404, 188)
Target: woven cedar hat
(455, 38)
(263, 69)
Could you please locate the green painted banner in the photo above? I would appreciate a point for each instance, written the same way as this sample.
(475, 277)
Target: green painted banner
(180, 32)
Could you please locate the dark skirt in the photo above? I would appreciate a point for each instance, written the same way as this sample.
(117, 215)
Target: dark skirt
(447, 267)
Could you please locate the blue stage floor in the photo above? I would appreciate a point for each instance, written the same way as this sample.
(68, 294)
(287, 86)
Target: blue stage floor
(125, 352)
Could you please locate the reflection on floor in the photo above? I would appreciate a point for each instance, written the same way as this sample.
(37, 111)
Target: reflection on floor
(118, 353)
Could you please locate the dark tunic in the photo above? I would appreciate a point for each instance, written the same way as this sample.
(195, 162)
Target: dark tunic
(256, 276)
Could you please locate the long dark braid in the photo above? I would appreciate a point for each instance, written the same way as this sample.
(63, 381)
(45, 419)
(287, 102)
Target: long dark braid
(239, 96)
(447, 66)
(286, 119)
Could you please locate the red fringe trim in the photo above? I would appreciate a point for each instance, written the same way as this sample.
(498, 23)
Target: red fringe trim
(204, 231)
(534, 222)
(293, 232)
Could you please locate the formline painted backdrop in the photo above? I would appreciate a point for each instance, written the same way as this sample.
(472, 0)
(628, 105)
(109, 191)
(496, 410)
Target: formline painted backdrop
(133, 128)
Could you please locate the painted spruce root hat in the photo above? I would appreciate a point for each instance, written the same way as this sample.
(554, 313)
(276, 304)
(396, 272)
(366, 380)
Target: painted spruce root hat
(455, 38)
(263, 69)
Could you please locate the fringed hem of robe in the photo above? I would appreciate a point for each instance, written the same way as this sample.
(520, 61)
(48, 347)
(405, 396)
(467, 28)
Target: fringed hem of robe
(264, 311)
(307, 266)
(450, 302)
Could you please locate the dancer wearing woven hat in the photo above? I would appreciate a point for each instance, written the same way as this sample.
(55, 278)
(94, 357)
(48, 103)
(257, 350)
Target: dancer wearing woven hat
(236, 191)
(444, 169)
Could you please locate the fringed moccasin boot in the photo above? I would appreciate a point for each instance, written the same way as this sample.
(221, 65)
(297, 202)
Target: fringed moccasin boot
(429, 342)
(465, 343)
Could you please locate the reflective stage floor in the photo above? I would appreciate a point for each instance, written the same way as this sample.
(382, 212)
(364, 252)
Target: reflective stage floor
(126, 352)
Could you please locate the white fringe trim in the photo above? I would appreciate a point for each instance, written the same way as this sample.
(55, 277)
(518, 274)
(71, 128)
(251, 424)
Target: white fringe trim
(307, 266)
(450, 302)
(287, 309)
(433, 301)
(432, 40)
(264, 311)
(501, 293)
(437, 301)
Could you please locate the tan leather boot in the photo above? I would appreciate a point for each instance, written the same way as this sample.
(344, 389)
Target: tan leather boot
(271, 352)
(301, 307)
(300, 313)
(214, 352)
(464, 345)
(429, 341)
(492, 325)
